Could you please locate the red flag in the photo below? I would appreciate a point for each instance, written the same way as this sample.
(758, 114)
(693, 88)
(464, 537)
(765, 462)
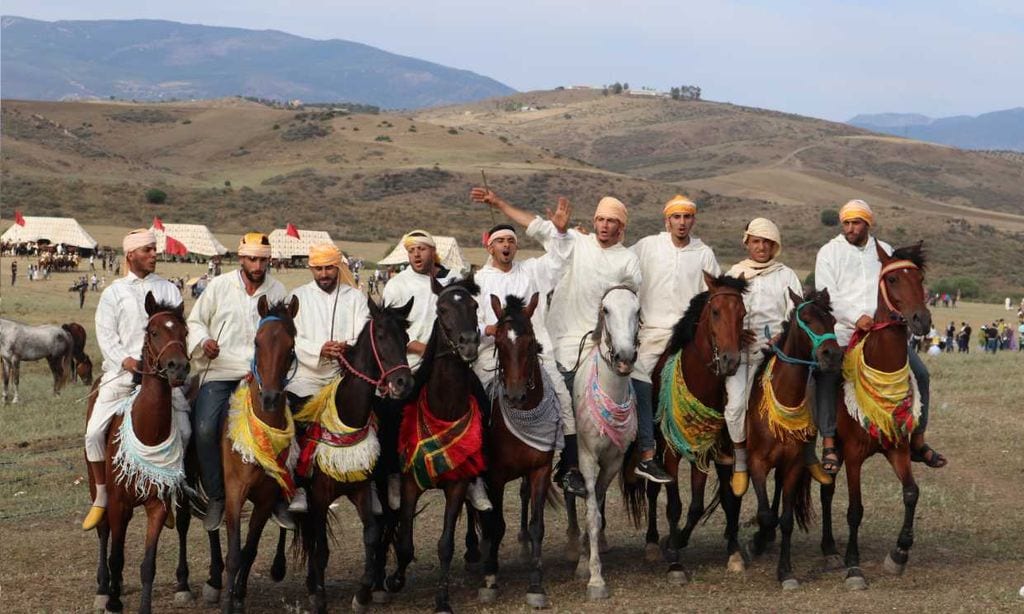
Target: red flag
(175, 247)
(20, 221)
(291, 230)
(158, 224)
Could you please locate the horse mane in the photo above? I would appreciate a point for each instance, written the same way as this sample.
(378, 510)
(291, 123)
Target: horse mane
(468, 284)
(685, 329)
(814, 296)
(914, 253)
(281, 309)
(515, 314)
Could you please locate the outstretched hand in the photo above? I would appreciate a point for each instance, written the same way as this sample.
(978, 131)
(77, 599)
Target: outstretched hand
(483, 195)
(560, 218)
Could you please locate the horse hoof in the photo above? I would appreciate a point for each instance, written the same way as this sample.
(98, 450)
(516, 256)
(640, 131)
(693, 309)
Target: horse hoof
(537, 601)
(677, 577)
(834, 562)
(184, 598)
(856, 583)
(487, 594)
(211, 595)
(380, 597)
(892, 567)
(790, 584)
(652, 553)
(359, 608)
(99, 602)
(736, 563)
(595, 593)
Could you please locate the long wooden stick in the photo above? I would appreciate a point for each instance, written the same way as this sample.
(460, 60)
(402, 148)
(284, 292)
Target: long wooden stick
(489, 207)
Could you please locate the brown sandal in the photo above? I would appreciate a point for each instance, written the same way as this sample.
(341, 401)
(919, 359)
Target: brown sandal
(830, 461)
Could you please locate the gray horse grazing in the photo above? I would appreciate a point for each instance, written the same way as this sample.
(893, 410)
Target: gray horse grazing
(20, 342)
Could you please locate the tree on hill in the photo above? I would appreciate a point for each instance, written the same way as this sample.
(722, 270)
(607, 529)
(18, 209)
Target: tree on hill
(156, 196)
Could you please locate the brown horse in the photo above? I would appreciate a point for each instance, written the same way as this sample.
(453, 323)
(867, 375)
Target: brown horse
(130, 481)
(81, 364)
(520, 392)
(901, 304)
(446, 393)
(806, 342)
(705, 347)
(376, 363)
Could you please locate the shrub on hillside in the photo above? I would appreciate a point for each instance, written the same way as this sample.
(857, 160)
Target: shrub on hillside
(143, 116)
(829, 217)
(304, 132)
(156, 196)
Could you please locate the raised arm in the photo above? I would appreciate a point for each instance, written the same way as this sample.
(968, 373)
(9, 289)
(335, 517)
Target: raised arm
(560, 218)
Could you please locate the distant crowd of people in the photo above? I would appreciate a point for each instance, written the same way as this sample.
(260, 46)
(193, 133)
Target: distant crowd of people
(993, 337)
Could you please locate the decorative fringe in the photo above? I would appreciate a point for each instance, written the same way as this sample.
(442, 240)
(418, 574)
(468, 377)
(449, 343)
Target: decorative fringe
(689, 426)
(887, 405)
(143, 469)
(258, 443)
(435, 450)
(795, 423)
(344, 453)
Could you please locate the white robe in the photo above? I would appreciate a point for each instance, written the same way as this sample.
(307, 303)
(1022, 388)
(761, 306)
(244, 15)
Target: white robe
(410, 284)
(592, 270)
(672, 276)
(225, 303)
(850, 274)
(336, 316)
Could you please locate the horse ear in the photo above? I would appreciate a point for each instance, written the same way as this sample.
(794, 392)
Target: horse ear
(151, 306)
(261, 306)
(372, 306)
(793, 296)
(882, 256)
(180, 310)
(293, 307)
(436, 285)
(534, 300)
(496, 307)
(406, 309)
(825, 297)
(709, 280)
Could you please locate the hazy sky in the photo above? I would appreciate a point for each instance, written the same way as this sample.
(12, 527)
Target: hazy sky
(826, 58)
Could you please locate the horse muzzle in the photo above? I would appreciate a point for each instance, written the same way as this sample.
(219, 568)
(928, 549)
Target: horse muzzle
(515, 396)
(176, 371)
(728, 363)
(920, 321)
(830, 357)
(400, 385)
(270, 399)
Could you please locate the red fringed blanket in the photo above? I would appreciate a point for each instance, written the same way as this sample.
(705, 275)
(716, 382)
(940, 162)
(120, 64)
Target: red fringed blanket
(436, 451)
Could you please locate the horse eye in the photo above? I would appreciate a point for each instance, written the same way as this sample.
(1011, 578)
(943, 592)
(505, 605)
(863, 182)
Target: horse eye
(891, 279)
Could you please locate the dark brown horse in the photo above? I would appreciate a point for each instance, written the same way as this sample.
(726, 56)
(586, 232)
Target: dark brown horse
(81, 364)
(521, 392)
(709, 335)
(901, 304)
(164, 365)
(806, 342)
(377, 362)
(448, 385)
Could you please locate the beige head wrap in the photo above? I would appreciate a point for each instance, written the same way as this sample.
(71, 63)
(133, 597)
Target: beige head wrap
(766, 229)
(612, 208)
(857, 210)
(254, 245)
(140, 237)
(418, 237)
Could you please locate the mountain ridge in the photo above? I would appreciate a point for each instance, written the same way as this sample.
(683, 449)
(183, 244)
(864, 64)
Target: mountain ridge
(995, 130)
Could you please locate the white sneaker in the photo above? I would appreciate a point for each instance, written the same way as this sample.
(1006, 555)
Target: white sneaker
(395, 491)
(299, 502)
(375, 505)
(477, 496)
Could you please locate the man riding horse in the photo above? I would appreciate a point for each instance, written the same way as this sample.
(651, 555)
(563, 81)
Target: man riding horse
(849, 267)
(120, 332)
(221, 329)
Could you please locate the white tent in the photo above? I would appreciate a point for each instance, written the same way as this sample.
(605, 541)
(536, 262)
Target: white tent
(64, 230)
(197, 239)
(283, 246)
(447, 248)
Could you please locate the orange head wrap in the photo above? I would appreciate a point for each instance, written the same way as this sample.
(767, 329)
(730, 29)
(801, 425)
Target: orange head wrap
(679, 204)
(324, 254)
(254, 245)
(857, 210)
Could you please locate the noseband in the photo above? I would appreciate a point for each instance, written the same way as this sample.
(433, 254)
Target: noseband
(253, 367)
(500, 371)
(600, 332)
(379, 382)
(816, 341)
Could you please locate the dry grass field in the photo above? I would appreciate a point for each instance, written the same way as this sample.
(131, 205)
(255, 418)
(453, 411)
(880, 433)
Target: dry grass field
(968, 555)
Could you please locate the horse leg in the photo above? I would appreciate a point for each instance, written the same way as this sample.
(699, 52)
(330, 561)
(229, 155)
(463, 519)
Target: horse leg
(828, 540)
(766, 518)
(673, 512)
(731, 506)
(474, 526)
(602, 538)
(524, 538)
(118, 515)
(57, 371)
(214, 582)
(896, 561)
(791, 480)
(279, 566)
(102, 571)
(494, 532)
(371, 535)
(387, 525)
(314, 542)
(572, 529)
(15, 377)
(854, 515)
(258, 520)
(454, 497)
(405, 548)
(182, 592)
(596, 488)
(6, 374)
(776, 500)
(540, 479)
(156, 514)
(233, 523)
(652, 550)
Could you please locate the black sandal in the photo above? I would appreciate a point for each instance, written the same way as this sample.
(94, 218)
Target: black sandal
(830, 462)
(927, 455)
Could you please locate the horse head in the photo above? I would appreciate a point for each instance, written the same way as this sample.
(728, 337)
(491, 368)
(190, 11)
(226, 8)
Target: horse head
(83, 369)
(516, 347)
(386, 336)
(163, 351)
(901, 287)
(274, 353)
(618, 326)
(457, 317)
(721, 321)
(812, 324)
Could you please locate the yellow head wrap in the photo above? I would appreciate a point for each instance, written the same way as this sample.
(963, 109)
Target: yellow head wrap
(857, 210)
(324, 254)
(421, 237)
(612, 208)
(679, 204)
(254, 245)
(766, 229)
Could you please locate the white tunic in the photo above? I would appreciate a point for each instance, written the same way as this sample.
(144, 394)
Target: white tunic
(225, 303)
(591, 271)
(851, 275)
(343, 311)
(672, 276)
(121, 316)
(410, 284)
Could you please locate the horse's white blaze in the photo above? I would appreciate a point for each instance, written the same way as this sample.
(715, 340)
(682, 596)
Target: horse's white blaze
(622, 320)
(169, 324)
(512, 335)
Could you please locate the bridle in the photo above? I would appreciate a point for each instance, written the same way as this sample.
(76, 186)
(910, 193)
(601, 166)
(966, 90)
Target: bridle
(450, 346)
(601, 336)
(714, 363)
(147, 349)
(816, 341)
(253, 367)
(895, 265)
(500, 371)
(385, 373)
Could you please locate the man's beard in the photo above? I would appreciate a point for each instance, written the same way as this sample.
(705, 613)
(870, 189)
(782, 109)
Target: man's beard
(255, 276)
(327, 285)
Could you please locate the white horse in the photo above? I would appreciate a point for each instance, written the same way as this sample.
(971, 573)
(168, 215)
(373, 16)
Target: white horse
(606, 420)
(20, 342)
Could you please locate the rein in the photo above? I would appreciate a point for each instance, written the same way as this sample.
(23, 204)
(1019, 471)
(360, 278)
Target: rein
(254, 368)
(379, 382)
(816, 341)
(713, 364)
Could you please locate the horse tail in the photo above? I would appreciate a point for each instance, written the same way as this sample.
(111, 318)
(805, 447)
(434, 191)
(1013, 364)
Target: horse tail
(555, 500)
(634, 489)
(803, 508)
(714, 502)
